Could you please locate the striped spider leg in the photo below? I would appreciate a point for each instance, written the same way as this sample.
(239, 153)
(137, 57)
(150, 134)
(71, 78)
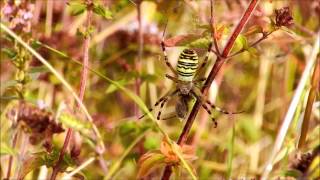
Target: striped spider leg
(206, 104)
(162, 100)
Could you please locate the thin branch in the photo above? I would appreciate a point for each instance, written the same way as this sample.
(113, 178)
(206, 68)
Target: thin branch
(140, 53)
(213, 30)
(214, 71)
(83, 82)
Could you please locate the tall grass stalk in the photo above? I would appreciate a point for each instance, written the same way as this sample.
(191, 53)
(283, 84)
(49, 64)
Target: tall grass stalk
(311, 61)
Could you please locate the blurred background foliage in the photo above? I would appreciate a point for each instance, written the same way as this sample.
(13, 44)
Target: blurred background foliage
(261, 81)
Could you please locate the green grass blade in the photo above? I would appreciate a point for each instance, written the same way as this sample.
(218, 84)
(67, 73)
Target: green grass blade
(230, 153)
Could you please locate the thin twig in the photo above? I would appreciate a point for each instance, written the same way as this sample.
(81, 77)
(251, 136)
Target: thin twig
(83, 81)
(214, 71)
(140, 53)
(213, 30)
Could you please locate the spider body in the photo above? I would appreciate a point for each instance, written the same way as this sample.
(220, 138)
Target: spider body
(187, 65)
(186, 77)
(182, 108)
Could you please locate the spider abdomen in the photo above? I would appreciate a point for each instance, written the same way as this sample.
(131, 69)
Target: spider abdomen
(182, 107)
(187, 65)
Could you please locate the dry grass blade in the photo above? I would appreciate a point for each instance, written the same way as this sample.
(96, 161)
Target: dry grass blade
(292, 108)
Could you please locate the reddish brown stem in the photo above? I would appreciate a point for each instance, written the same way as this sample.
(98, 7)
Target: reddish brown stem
(83, 82)
(214, 71)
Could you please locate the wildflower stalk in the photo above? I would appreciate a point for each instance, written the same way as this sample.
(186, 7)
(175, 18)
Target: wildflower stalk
(214, 71)
(140, 52)
(83, 82)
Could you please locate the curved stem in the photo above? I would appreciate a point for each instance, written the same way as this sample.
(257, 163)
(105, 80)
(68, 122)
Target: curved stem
(83, 82)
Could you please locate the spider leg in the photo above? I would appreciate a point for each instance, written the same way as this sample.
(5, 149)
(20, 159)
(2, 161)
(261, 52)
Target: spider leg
(163, 47)
(210, 113)
(170, 117)
(159, 101)
(199, 80)
(174, 79)
(221, 110)
(205, 107)
(205, 61)
(164, 102)
(161, 107)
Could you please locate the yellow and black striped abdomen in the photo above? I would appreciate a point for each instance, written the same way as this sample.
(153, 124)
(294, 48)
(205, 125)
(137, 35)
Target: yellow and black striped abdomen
(187, 65)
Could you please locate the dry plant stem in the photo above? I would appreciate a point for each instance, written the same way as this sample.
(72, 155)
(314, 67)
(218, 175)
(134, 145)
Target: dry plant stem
(307, 114)
(83, 81)
(214, 71)
(48, 28)
(140, 52)
(14, 142)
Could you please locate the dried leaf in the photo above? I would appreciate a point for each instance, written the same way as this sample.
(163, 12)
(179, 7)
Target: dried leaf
(149, 162)
(219, 32)
(180, 40)
(253, 30)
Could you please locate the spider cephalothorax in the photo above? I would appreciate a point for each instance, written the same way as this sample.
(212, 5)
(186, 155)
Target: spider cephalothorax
(186, 77)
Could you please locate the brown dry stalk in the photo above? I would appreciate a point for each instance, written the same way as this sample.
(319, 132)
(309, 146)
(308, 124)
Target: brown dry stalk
(307, 114)
(83, 82)
(214, 71)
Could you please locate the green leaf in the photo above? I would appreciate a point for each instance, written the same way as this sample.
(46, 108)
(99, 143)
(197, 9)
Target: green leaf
(6, 150)
(251, 132)
(38, 69)
(200, 43)
(102, 11)
(292, 173)
(74, 123)
(50, 159)
(148, 77)
(253, 52)
(242, 42)
(77, 8)
(35, 44)
(34, 72)
(129, 127)
(151, 143)
(9, 52)
(111, 88)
